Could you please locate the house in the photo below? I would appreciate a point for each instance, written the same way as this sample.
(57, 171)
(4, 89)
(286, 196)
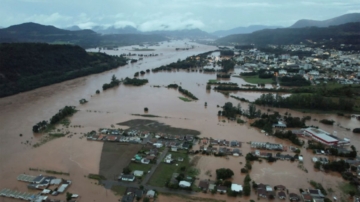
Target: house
(306, 197)
(150, 194)
(279, 125)
(221, 189)
(280, 187)
(282, 72)
(145, 161)
(168, 159)
(281, 195)
(174, 148)
(269, 188)
(318, 200)
(261, 192)
(294, 197)
(184, 184)
(316, 193)
(128, 198)
(204, 185)
(236, 152)
(138, 173)
(212, 186)
(128, 178)
(138, 193)
(234, 143)
(236, 188)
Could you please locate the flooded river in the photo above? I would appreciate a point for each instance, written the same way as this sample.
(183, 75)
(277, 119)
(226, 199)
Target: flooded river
(80, 157)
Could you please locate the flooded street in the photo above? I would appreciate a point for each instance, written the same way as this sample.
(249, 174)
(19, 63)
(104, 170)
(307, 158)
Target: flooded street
(80, 157)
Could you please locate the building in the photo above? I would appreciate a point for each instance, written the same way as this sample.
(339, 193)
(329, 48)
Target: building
(316, 193)
(306, 197)
(184, 184)
(321, 136)
(128, 178)
(294, 197)
(281, 195)
(150, 194)
(279, 125)
(204, 185)
(236, 188)
(138, 173)
(221, 189)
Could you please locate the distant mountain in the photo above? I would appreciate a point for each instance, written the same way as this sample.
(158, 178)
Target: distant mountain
(185, 33)
(114, 30)
(242, 30)
(351, 17)
(346, 33)
(32, 32)
(73, 28)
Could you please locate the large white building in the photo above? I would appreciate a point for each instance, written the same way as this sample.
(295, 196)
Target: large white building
(325, 137)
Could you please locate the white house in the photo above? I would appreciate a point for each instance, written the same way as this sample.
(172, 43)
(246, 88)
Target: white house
(282, 72)
(314, 73)
(236, 187)
(184, 184)
(168, 159)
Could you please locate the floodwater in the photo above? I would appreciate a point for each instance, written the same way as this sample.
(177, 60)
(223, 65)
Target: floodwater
(80, 157)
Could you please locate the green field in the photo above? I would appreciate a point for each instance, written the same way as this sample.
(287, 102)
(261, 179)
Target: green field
(143, 49)
(139, 166)
(256, 80)
(164, 172)
(212, 81)
(118, 190)
(185, 99)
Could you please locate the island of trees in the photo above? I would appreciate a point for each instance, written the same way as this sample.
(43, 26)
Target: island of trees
(26, 66)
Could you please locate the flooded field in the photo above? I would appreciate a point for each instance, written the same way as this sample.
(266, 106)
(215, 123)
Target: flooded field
(80, 157)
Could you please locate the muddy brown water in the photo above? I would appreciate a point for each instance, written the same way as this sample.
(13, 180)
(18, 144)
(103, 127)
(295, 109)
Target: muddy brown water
(80, 157)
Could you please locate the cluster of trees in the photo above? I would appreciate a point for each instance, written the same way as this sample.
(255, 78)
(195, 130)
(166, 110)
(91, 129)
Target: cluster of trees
(227, 87)
(26, 66)
(248, 73)
(337, 166)
(135, 81)
(239, 98)
(251, 157)
(222, 83)
(266, 121)
(173, 86)
(64, 112)
(223, 76)
(188, 63)
(296, 80)
(336, 152)
(229, 111)
(294, 122)
(327, 122)
(227, 65)
(247, 186)
(226, 53)
(224, 173)
(356, 130)
(114, 82)
(305, 101)
(187, 93)
(288, 135)
(39, 126)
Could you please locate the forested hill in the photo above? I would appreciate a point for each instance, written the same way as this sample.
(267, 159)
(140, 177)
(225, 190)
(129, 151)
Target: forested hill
(346, 33)
(26, 66)
(33, 32)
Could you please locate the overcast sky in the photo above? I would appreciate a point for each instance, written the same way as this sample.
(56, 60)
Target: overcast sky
(147, 15)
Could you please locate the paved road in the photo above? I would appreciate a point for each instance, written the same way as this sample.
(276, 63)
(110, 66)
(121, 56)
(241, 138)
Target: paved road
(159, 160)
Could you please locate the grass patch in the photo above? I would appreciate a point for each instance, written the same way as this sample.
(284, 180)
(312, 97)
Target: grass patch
(139, 166)
(192, 198)
(50, 171)
(145, 115)
(256, 80)
(56, 135)
(212, 81)
(118, 190)
(65, 122)
(347, 187)
(164, 172)
(143, 49)
(96, 177)
(185, 99)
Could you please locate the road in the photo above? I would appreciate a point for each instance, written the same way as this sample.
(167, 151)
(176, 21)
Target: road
(159, 160)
